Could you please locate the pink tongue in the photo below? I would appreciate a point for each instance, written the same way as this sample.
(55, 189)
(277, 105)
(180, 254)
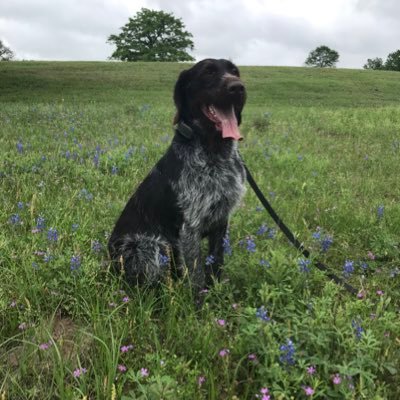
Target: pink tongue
(228, 124)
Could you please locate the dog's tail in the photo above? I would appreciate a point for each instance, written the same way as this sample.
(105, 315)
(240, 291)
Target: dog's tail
(142, 259)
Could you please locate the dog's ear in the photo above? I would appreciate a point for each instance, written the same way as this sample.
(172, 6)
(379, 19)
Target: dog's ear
(180, 95)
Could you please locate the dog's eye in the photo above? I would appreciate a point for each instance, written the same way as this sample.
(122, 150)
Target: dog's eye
(235, 71)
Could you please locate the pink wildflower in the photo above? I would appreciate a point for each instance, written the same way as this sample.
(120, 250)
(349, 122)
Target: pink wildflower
(144, 372)
(309, 391)
(336, 379)
(223, 352)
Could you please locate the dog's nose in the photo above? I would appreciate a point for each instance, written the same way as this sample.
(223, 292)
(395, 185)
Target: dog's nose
(235, 88)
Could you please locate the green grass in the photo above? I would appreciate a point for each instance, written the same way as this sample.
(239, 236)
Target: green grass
(324, 145)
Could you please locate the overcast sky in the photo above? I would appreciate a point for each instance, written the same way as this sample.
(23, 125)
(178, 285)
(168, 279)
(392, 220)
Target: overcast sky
(250, 32)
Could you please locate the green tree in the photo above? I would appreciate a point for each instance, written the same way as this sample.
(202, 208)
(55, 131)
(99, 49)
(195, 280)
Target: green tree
(5, 53)
(393, 61)
(322, 57)
(374, 63)
(152, 36)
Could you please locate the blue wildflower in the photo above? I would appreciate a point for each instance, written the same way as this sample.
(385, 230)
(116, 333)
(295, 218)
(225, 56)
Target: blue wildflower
(250, 245)
(348, 268)
(47, 258)
(265, 263)
(52, 235)
(163, 260)
(380, 211)
(262, 229)
(75, 227)
(326, 243)
(20, 205)
(40, 223)
(84, 193)
(262, 313)
(114, 170)
(358, 330)
(96, 246)
(226, 244)
(15, 219)
(210, 260)
(75, 263)
(288, 350)
(304, 265)
(20, 147)
(96, 159)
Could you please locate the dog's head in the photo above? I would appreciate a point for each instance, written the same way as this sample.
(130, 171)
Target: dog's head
(212, 93)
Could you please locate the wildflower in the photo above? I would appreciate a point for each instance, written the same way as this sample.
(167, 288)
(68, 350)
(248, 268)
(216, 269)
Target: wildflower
(20, 205)
(262, 313)
(114, 170)
(221, 322)
(326, 243)
(371, 255)
(125, 349)
(40, 223)
(287, 353)
(125, 299)
(226, 244)
(348, 268)
(336, 379)
(96, 159)
(75, 263)
(75, 227)
(223, 352)
(20, 147)
(303, 265)
(380, 292)
(265, 263)
(52, 235)
(262, 229)
(311, 370)
(361, 294)
(235, 306)
(380, 211)
(309, 391)
(210, 260)
(252, 357)
(265, 394)
(79, 371)
(251, 246)
(358, 330)
(84, 193)
(121, 368)
(47, 257)
(15, 219)
(13, 304)
(96, 246)
(364, 266)
(45, 346)
(200, 380)
(22, 326)
(144, 372)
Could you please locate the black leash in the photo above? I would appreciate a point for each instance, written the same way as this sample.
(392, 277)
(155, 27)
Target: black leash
(187, 132)
(292, 239)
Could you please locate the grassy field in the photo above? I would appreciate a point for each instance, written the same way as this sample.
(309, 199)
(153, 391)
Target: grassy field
(324, 145)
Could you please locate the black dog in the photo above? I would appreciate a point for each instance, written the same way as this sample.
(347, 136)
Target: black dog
(191, 191)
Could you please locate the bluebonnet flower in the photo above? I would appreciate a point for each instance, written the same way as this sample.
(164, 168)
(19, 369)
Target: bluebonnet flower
(262, 229)
(47, 257)
(20, 147)
(129, 153)
(15, 219)
(304, 265)
(210, 260)
(67, 154)
(358, 330)
(364, 266)
(271, 233)
(288, 350)
(226, 244)
(96, 159)
(114, 170)
(265, 263)
(380, 211)
(317, 234)
(250, 245)
(75, 227)
(262, 313)
(75, 263)
(84, 193)
(348, 268)
(96, 246)
(20, 205)
(326, 243)
(163, 260)
(52, 235)
(35, 265)
(40, 223)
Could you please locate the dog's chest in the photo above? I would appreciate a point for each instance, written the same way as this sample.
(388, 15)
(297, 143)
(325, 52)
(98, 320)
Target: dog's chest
(208, 190)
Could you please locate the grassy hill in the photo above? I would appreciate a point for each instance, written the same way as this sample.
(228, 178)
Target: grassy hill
(324, 145)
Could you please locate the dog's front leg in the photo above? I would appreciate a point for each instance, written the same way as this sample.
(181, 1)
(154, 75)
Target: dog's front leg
(216, 251)
(191, 252)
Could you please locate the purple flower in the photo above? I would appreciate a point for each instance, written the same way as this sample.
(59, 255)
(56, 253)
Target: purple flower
(96, 246)
(226, 244)
(79, 371)
(45, 346)
(252, 357)
(380, 292)
(125, 349)
(265, 263)
(358, 330)
(40, 223)
(336, 379)
(52, 235)
(122, 368)
(326, 243)
(125, 299)
(114, 170)
(20, 205)
(20, 147)
(311, 370)
(309, 391)
(348, 268)
(221, 322)
(201, 380)
(380, 211)
(144, 372)
(250, 245)
(223, 352)
(15, 219)
(262, 229)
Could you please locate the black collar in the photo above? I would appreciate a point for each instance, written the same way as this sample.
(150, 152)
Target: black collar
(184, 129)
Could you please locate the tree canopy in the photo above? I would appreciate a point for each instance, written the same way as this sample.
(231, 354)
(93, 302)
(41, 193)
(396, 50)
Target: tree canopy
(152, 36)
(392, 62)
(5, 53)
(322, 57)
